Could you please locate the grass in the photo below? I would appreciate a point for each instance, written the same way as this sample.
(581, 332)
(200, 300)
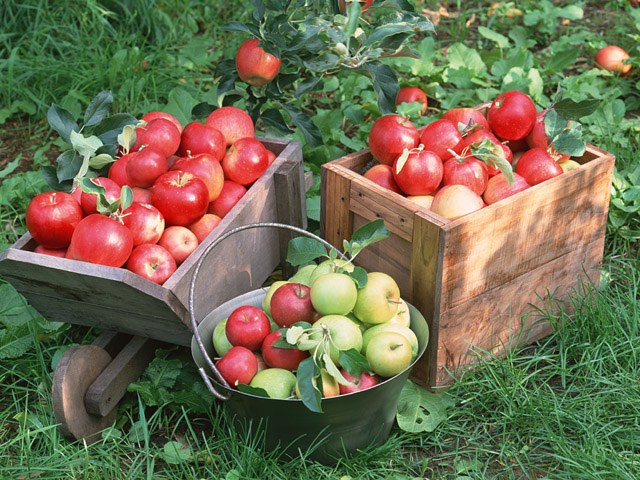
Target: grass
(567, 407)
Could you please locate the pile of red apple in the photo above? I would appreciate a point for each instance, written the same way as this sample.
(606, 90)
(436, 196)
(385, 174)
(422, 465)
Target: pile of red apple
(318, 313)
(183, 181)
(454, 165)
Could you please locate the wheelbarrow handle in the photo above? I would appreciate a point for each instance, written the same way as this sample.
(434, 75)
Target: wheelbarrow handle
(194, 323)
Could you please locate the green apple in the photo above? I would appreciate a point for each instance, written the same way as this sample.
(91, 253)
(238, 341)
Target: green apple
(403, 315)
(220, 340)
(389, 353)
(277, 382)
(333, 293)
(331, 266)
(330, 386)
(377, 302)
(344, 333)
(303, 275)
(391, 327)
(266, 301)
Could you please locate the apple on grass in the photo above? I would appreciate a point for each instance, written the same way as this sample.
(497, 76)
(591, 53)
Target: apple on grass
(389, 353)
(287, 358)
(291, 303)
(151, 261)
(333, 293)
(247, 326)
(221, 343)
(377, 302)
(179, 241)
(238, 365)
(358, 382)
(277, 382)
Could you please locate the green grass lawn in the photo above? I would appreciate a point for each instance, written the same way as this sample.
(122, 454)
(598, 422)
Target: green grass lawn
(566, 407)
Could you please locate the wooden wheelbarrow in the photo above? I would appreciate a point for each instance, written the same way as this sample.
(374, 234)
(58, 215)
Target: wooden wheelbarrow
(138, 316)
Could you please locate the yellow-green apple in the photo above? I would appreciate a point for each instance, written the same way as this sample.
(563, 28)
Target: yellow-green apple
(333, 293)
(330, 266)
(266, 301)
(303, 275)
(568, 165)
(403, 315)
(151, 261)
(389, 353)
(255, 66)
(344, 334)
(277, 382)
(330, 386)
(291, 303)
(287, 358)
(238, 365)
(377, 302)
(391, 327)
(221, 343)
(247, 326)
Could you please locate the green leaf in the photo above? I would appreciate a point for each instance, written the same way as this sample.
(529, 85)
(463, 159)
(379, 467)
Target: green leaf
(575, 110)
(69, 164)
(15, 342)
(354, 9)
(100, 161)
(111, 127)
(127, 138)
(309, 85)
(493, 155)
(310, 394)
(293, 334)
(88, 185)
(274, 119)
(359, 276)
(260, 392)
(554, 124)
(85, 146)
(334, 371)
(180, 104)
(62, 121)
(310, 132)
(385, 34)
(303, 250)
(314, 207)
(570, 141)
(385, 84)
(353, 361)
(421, 411)
(243, 27)
(126, 197)
(98, 109)
(498, 38)
(175, 453)
(370, 232)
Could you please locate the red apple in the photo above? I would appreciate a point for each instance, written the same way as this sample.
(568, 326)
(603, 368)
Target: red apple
(390, 135)
(467, 171)
(360, 382)
(145, 166)
(291, 303)
(145, 222)
(245, 161)
(53, 252)
(141, 195)
(233, 122)
(383, 175)
(255, 66)
(52, 217)
(118, 170)
(420, 174)
(498, 188)
(160, 134)
(89, 201)
(199, 138)
(468, 117)
(512, 115)
(206, 168)
(238, 365)
(179, 241)
(275, 357)
(271, 157)
(454, 201)
(247, 326)
(148, 117)
(412, 94)
(613, 58)
(203, 227)
(442, 137)
(538, 138)
(181, 197)
(151, 261)
(231, 194)
(536, 166)
(364, 4)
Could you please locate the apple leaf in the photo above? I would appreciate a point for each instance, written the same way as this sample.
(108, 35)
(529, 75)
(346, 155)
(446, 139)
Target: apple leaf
(359, 276)
(62, 121)
(69, 163)
(366, 235)
(89, 186)
(493, 155)
(260, 392)
(574, 110)
(100, 161)
(126, 197)
(420, 410)
(402, 159)
(303, 250)
(570, 141)
(554, 124)
(98, 109)
(293, 334)
(310, 394)
(334, 371)
(353, 361)
(308, 341)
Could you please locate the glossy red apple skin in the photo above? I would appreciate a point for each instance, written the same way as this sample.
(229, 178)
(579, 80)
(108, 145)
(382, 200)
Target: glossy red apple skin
(181, 197)
(161, 134)
(230, 195)
(498, 188)
(254, 65)
(89, 201)
(390, 135)
(467, 171)
(275, 357)
(206, 168)
(247, 326)
(412, 94)
(536, 166)
(145, 166)
(51, 218)
(238, 365)
(291, 303)
(512, 115)
(383, 175)
(200, 138)
(203, 227)
(245, 161)
(466, 116)
(442, 137)
(152, 262)
(149, 116)
(421, 174)
(118, 170)
(145, 222)
(612, 58)
(179, 241)
(141, 195)
(360, 382)
(233, 122)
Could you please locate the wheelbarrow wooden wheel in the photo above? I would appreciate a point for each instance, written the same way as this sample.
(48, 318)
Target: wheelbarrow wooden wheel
(78, 369)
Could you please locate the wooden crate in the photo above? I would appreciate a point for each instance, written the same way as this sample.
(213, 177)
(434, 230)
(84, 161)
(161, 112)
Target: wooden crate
(477, 279)
(86, 294)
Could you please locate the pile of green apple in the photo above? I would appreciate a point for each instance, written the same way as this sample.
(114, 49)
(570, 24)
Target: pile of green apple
(318, 334)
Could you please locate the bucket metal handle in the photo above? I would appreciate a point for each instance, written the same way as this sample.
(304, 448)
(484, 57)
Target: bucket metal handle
(194, 278)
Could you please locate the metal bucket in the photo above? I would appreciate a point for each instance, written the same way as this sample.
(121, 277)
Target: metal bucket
(348, 422)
